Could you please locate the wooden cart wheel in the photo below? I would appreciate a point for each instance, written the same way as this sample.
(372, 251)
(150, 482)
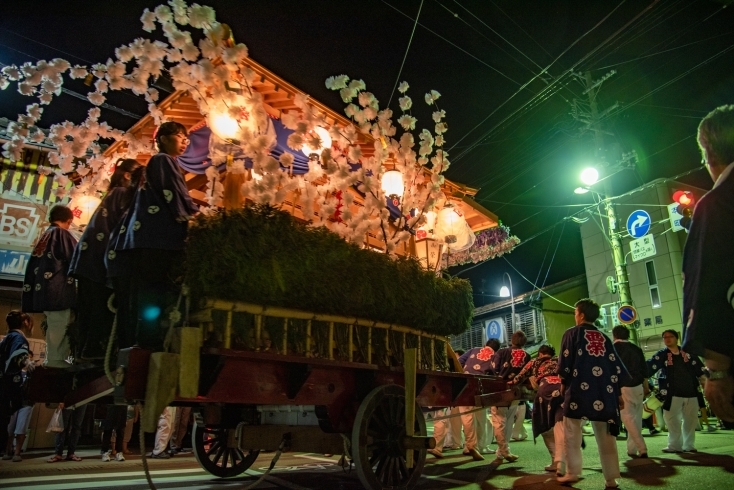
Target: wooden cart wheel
(212, 453)
(378, 429)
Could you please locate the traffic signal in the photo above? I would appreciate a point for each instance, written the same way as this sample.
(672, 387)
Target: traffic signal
(686, 202)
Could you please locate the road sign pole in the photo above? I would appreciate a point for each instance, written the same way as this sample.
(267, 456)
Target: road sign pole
(620, 268)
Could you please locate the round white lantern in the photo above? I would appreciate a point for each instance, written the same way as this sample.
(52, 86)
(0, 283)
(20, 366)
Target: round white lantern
(392, 185)
(223, 125)
(325, 138)
(452, 228)
(83, 208)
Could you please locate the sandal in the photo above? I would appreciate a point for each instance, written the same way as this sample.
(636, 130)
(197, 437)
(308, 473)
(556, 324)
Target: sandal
(55, 458)
(73, 457)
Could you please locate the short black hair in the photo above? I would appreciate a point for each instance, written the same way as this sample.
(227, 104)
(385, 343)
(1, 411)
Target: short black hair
(589, 308)
(547, 349)
(60, 213)
(716, 133)
(494, 344)
(15, 319)
(621, 332)
(122, 166)
(518, 339)
(677, 337)
(458, 352)
(169, 128)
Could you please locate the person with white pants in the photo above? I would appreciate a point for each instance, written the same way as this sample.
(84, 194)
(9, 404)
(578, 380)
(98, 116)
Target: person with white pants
(680, 374)
(606, 445)
(57, 342)
(163, 434)
(502, 418)
(634, 387)
(440, 428)
(454, 437)
(481, 427)
(519, 433)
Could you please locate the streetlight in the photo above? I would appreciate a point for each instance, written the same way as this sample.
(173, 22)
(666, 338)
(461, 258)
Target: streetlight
(507, 293)
(589, 176)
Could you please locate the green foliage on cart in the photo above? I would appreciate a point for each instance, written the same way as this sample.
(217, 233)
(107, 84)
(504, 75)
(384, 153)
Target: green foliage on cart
(264, 256)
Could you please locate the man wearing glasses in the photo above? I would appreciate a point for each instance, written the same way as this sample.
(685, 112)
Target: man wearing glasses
(678, 382)
(708, 264)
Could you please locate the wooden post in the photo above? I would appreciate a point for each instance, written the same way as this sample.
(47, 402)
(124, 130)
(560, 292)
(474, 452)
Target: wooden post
(433, 354)
(258, 331)
(285, 336)
(418, 357)
(308, 338)
(369, 345)
(411, 357)
(351, 339)
(228, 331)
(331, 340)
(387, 347)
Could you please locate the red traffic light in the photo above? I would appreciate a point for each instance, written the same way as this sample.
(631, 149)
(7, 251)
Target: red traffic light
(684, 197)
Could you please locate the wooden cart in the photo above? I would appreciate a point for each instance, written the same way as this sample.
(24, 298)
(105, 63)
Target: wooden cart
(263, 378)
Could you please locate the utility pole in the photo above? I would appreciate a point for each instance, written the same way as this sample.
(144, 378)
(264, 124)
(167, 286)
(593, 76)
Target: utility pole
(620, 266)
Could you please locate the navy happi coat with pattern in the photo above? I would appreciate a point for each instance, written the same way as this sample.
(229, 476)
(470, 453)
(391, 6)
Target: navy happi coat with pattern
(508, 362)
(477, 360)
(662, 360)
(162, 206)
(46, 286)
(590, 371)
(88, 259)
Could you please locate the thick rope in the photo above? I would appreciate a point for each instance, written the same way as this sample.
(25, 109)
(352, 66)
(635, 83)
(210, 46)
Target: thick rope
(457, 414)
(142, 452)
(272, 463)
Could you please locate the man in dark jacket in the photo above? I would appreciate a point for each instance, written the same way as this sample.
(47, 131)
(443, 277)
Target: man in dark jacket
(48, 288)
(634, 388)
(680, 374)
(708, 265)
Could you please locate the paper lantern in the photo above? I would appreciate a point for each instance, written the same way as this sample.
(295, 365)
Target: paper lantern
(323, 134)
(392, 185)
(223, 125)
(83, 208)
(453, 230)
(428, 251)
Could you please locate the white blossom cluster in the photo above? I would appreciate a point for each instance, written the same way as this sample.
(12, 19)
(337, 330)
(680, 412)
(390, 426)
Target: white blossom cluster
(214, 74)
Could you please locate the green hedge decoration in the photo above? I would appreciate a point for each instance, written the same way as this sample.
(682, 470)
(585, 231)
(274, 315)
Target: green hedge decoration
(264, 256)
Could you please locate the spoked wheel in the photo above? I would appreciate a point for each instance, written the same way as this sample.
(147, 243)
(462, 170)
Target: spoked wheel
(376, 441)
(212, 453)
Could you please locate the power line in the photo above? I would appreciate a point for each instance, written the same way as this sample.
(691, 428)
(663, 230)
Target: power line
(451, 43)
(536, 286)
(45, 45)
(397, 80)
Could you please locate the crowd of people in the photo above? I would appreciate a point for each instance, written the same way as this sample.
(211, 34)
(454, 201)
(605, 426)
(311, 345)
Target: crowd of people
(133, 248)
(124, 272)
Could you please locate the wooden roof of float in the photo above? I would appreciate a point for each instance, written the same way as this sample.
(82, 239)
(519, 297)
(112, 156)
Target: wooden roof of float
(278, 96)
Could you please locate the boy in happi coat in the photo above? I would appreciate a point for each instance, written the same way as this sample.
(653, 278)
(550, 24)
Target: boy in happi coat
(507, 363)
(48, 289)
(590, 371)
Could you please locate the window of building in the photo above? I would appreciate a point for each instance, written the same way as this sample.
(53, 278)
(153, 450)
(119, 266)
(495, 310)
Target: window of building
(652, 282)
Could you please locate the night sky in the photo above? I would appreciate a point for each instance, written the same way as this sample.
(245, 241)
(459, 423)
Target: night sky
(522, 150)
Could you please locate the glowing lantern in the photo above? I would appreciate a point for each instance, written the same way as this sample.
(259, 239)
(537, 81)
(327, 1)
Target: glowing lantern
(426, 230)
(428, 251)
(314, 153)
(223, 125)
(392, 185)
(452, 228)
(83, 208)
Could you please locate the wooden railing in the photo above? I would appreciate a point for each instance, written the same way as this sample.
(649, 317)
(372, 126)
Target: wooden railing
(243, 326)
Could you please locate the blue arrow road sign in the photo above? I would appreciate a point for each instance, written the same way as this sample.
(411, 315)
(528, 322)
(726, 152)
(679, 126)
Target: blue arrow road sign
(494, 330)
(627, 314)
(638, 224)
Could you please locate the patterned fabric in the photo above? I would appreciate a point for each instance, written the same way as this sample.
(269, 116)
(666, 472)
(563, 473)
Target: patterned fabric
(508, 362)
(88, 259)
(46, 286)
(662, 361)
(547, 406)
(13, 348)
(477, 360)
(590, 371)
(158, 217)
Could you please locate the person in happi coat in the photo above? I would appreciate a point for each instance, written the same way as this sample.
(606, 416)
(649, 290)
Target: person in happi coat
(634, 389)
(48, 289)
(678, 381)
(507, 363)
(547, 411)
(590, 371)
(15, 356)
(94, 318)
(708, 265)
(474, 361)
(154, 234)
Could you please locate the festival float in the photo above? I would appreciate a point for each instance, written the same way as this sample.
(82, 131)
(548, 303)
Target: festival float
(314, 313)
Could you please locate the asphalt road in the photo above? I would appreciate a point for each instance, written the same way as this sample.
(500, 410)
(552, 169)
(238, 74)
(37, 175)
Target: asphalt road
(712, 468)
